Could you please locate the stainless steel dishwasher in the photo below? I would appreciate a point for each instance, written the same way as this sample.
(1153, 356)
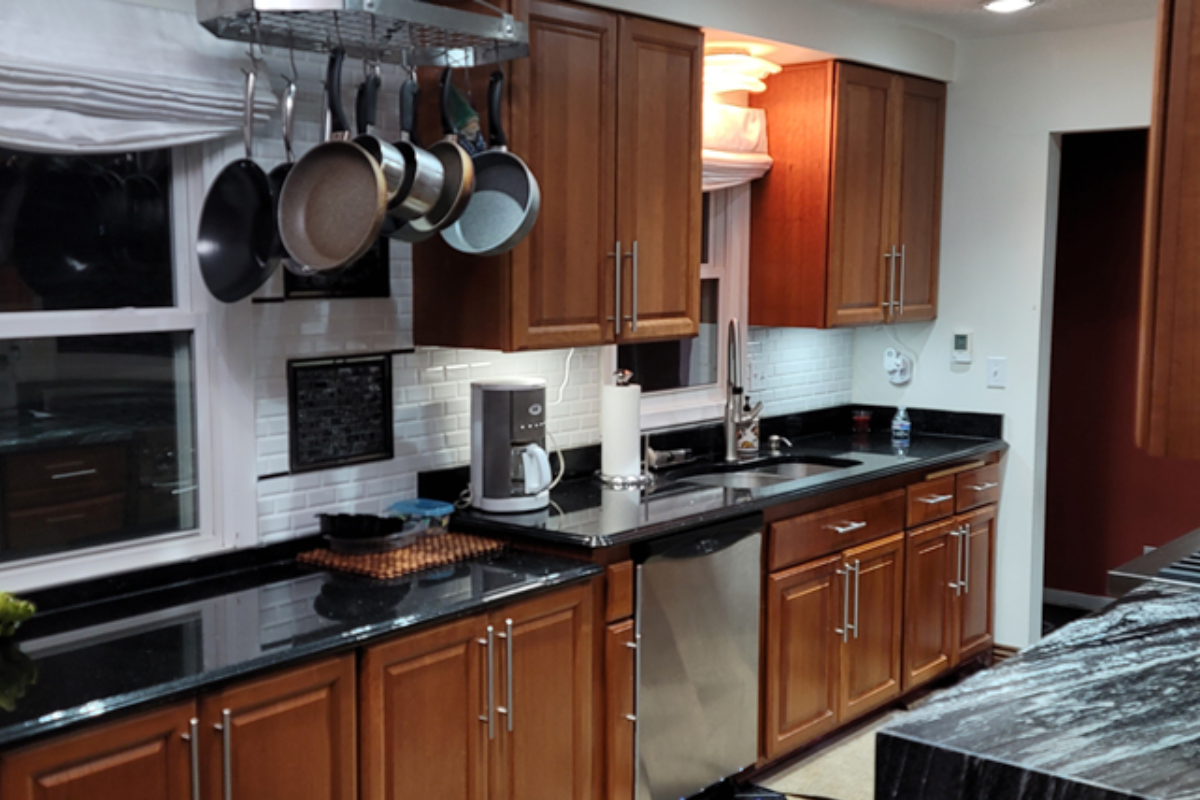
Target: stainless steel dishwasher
(697, 624)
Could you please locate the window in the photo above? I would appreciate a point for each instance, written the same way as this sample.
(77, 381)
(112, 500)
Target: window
(102, 348)
(684, 381)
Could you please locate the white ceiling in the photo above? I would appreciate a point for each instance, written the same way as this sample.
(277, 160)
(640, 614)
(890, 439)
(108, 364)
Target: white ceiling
(966, 19)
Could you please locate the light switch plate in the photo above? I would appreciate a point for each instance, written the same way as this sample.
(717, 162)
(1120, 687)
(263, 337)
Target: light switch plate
(997, 372)
(758, 374)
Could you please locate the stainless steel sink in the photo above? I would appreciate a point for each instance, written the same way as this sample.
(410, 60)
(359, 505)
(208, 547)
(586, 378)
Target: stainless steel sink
(760, 476)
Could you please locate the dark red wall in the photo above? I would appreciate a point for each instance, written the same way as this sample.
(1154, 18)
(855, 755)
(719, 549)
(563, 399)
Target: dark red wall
(1105, 498)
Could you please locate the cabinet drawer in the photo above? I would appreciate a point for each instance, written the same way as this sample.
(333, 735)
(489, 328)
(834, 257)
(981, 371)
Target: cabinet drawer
(977, 488)
(930, 501)
(54, 477)
(54, 526)
(813, 535)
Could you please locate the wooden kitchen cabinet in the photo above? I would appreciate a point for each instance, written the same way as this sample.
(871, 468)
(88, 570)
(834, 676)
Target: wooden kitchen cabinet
(290, 734)
(1168, 408)
(141, 758)
(833, 636)
(620, 658)
(426, 701)
(803, 653)
(606, 113)
(870, 660)
(949, 594)
(847, 223)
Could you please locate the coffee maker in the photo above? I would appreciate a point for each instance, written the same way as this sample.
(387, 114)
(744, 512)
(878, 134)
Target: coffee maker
(510, 470)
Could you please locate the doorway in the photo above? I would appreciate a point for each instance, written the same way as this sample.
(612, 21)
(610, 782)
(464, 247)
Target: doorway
(1105, 499)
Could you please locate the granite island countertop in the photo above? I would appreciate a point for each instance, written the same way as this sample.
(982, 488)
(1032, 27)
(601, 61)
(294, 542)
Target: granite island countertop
(148, 646)
(1105, 708)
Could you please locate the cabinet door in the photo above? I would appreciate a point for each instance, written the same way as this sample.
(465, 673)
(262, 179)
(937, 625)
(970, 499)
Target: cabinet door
(143, 758)
(544, 693)
(1168, 410)
(565, 127)
(919, 198)
(861, 225)
(658, 178)
(870, 658)
(931, 570)
(975, 602)
(288, 735)
(423, 715)
(804, 609)
(619, 710)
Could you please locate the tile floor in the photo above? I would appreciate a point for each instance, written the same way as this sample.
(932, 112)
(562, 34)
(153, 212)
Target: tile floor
(845, 770)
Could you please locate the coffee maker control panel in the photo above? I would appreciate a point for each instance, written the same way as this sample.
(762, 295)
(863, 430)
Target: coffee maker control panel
(528, 416)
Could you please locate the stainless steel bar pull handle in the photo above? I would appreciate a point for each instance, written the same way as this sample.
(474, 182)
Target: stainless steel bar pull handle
(845, 527)
(966, 542)
(890, 258)
(857, 586)
(192, 737)
(634, 289)
(903, 267)
(934, 499)
(983, 487)
(957, 585)
(844, 631)
(618, 260)
(490, 716)
(226, 753)
(508, 637)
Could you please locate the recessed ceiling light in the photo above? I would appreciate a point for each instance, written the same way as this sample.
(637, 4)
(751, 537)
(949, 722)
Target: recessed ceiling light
(1009, 6)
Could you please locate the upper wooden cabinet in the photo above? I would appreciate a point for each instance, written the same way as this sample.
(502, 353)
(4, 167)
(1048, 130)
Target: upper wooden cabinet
(846, 225)
(1168, 411)
(606, 112)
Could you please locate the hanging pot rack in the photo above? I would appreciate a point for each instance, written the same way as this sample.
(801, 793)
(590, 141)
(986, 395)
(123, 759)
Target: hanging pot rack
(408, 32)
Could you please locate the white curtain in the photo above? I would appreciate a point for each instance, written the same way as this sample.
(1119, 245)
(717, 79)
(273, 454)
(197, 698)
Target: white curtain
(91, 76)
(735, 146)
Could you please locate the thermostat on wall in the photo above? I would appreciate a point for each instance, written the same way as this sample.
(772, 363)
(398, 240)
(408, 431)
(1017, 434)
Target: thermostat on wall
(962, 348)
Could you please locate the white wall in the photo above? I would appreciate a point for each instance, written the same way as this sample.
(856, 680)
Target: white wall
(1011, 94)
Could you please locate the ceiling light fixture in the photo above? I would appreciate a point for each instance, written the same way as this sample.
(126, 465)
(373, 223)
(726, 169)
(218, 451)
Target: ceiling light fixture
(735, 70)
(1009, 6)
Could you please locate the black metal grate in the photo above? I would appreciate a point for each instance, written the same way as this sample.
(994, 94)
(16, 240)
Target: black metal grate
(1185, 569)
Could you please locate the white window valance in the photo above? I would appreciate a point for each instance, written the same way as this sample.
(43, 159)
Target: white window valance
(91, 76)
(735, 146)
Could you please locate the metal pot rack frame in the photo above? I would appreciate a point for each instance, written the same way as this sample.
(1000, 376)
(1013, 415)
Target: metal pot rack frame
(408, 32)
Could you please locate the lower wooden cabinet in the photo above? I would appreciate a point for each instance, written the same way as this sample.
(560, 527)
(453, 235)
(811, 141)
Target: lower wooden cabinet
(496, 706)
(141, 758)
(620, 659)
(870, 669)
(949, 594)
(833, 632)
(289, 735)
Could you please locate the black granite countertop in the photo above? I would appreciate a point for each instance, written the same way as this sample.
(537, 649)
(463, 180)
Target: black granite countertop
(160, 644)
(1104, 708)
(584, 513)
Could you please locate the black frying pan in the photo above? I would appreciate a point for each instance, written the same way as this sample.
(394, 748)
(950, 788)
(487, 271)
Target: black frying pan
(237, 234)
(506, 201)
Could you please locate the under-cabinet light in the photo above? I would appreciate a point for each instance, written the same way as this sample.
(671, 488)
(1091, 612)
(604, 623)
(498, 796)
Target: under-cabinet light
(1009, 6)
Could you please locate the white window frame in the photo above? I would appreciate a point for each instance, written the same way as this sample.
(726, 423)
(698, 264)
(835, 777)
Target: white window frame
(223, 381)
(728, 261)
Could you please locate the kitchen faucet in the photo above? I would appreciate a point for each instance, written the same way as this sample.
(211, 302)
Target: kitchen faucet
(734, 417)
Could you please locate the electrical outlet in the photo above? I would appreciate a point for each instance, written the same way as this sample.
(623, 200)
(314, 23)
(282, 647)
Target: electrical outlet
(758, 375)
(997, 372)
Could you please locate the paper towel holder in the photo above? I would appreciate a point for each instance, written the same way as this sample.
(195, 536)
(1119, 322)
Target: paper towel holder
(624, 377)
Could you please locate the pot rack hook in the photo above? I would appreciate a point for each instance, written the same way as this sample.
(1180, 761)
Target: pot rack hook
(295, 76)
(256, 39)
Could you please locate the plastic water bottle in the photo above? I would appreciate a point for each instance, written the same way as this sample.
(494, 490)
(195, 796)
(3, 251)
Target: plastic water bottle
(901, 428)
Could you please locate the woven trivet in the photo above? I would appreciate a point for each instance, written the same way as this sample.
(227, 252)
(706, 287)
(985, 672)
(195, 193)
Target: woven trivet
(432, 551)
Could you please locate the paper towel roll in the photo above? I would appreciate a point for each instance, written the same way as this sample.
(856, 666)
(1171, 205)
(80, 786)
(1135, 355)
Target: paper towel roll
(620, 431)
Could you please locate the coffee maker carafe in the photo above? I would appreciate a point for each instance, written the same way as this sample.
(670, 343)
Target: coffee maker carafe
(510, 470)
